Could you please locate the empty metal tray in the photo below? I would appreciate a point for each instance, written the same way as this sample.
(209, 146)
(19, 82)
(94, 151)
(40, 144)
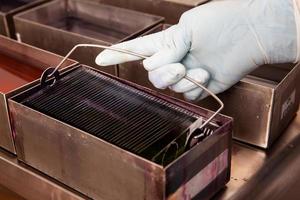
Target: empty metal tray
(59, 25)
(110, 139)
(20, 65)
(262, 104)
(8, 8)
(170, 9)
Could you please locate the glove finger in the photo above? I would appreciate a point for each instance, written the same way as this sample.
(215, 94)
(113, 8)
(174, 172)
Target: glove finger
(193, 95)
(146, 45)
(143, 45)
(167, 75)
(200, 75)
(174, 50)
(164, 57)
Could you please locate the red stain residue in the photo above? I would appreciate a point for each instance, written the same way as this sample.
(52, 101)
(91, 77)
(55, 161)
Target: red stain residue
(14, 74)
(201, 180)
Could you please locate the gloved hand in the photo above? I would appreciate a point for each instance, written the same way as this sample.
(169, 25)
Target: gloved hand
(217, 44)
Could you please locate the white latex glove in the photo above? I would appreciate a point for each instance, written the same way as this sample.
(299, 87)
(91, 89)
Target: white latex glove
(217, 44)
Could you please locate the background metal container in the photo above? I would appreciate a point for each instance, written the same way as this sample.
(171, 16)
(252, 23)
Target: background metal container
(103, 171)
(262, 105)
(59, 25)
(170, 9)
(8, 9)
(32, 57)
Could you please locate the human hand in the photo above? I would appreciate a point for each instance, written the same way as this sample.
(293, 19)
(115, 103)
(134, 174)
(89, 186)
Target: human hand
(216, 44)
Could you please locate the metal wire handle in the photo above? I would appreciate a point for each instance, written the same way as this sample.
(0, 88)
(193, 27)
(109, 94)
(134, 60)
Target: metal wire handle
(198, 124)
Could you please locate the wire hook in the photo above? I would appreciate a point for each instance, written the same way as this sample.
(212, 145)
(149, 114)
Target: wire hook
(198, 124)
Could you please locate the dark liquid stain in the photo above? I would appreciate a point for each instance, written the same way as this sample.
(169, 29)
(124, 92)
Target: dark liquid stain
(14, 74)
(8, 5)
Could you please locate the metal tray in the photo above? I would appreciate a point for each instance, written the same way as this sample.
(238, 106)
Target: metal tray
(59, 25)
(10, 8)
(19, 57)
(170, 9)
(101, 170)
(262, 104)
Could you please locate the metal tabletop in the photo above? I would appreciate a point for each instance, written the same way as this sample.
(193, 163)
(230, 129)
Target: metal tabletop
(272, 174)
(256, 173)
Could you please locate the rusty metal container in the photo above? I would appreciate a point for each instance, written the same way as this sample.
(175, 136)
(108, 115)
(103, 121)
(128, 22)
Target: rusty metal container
(103, 170)
(59, 25)
(10, 8)
(20, 66)
(262, 104)
(170, 9)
